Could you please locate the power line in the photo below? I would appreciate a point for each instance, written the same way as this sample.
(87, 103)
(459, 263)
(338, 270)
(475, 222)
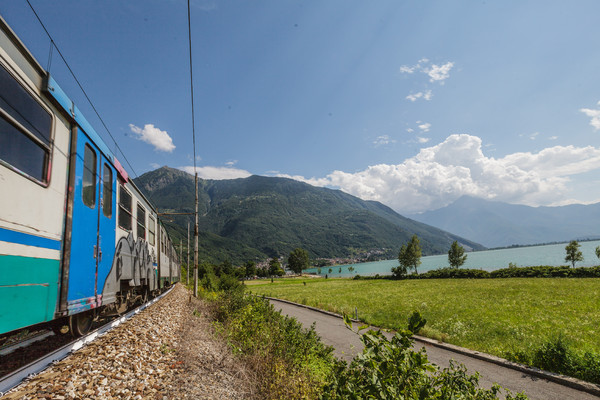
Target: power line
(195, 171)
(192, 82)
(53, 44)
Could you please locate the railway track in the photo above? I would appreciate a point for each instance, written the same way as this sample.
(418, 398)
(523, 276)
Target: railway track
(14, 378)
(8, 348)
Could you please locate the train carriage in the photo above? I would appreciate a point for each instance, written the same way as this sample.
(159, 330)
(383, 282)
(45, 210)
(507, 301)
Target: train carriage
(77, 237)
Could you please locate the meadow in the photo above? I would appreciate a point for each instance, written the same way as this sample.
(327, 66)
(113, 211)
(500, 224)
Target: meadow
(495, 316)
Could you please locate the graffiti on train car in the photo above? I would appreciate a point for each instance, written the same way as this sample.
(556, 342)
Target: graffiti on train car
(132, 263)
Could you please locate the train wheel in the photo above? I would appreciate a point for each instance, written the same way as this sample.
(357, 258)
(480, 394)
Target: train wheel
(80, 324)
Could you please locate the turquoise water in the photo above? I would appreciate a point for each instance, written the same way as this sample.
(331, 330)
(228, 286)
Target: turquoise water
(489, 260)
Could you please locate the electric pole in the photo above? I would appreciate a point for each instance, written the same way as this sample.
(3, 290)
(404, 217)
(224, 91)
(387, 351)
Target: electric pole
(196, 241)
(180, 255)
(187, 270)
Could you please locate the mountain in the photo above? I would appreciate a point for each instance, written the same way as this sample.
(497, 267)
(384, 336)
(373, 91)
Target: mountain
(497, 224)
(259, 217)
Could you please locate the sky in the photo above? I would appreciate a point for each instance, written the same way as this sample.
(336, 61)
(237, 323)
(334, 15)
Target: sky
(411, 103)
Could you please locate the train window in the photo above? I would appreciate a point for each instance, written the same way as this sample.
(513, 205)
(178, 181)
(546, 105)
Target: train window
(124, 208)
(141, 222)
(151, 230)
(25, 130)
(107, 191)
(88, 191)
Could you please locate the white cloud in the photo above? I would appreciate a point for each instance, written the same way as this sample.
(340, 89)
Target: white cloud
(439, 73)
(435, 73)
(154, 136)
(383, 140)
(311, 181)
(410, 69)
(427, 95)
(440, 174)
(594, 114)
(423, 140)
(217, 173)
(405, 69)
(553, 138)
(424, 127)
(231, 163)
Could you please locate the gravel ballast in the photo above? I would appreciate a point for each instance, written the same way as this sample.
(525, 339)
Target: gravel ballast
(168, 351)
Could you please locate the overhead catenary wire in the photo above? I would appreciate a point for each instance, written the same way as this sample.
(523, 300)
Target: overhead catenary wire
(55, 46)
(189, 15)
(192, 83)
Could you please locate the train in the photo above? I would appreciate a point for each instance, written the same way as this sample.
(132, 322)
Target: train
(78, 239)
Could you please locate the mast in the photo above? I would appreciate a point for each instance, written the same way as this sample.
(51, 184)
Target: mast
(187, 265)
(196, 241)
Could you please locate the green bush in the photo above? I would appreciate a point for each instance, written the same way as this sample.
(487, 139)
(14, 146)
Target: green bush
(290, 362)
(510, 272)
(452, 273)
(210, 282)
(557, 355)
(391, 369)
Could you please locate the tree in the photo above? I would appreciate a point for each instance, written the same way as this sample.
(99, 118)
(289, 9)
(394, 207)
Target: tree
(275, 267)
(409, 256)
(250, 268)
(573, 253)
(298, 260)
(226, 268)
(598, 251)
(456, 255)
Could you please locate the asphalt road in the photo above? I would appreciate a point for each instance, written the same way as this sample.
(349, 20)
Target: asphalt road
(347, 343)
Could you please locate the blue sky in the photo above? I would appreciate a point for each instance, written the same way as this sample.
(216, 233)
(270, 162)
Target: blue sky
(411, 103)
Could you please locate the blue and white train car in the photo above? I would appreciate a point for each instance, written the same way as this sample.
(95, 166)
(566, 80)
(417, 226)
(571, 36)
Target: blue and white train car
(77, 237)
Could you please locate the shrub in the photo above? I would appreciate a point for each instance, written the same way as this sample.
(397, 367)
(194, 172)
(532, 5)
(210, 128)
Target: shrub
(391, 369)
(290, 362)
(210, 282)
(452, 273)
(510, 272)
(557, 355)
(416, 322)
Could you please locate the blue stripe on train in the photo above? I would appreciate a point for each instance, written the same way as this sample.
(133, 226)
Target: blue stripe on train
(7, 235)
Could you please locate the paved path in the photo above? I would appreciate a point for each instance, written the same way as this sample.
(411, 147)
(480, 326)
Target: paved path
(347, 343)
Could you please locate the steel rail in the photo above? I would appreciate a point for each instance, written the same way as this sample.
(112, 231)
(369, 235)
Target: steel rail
(4, 350)
(32, 369)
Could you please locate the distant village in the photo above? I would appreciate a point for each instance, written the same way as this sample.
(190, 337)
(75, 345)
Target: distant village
(360, 257)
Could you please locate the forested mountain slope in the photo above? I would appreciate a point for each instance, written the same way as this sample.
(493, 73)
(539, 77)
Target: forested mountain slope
(259, 217)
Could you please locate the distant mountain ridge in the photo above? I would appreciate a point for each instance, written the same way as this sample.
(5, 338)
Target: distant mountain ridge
(258, 217)
(497, 224)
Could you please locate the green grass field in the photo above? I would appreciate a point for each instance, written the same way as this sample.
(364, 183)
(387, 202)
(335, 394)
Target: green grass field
(495, 316)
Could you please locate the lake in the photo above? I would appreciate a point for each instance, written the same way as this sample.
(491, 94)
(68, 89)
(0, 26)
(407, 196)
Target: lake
(489, 260)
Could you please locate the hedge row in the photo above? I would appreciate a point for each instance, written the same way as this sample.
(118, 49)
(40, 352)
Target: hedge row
(513, 272)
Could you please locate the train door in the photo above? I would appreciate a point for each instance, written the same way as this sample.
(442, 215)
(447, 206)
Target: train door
(93, 226)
